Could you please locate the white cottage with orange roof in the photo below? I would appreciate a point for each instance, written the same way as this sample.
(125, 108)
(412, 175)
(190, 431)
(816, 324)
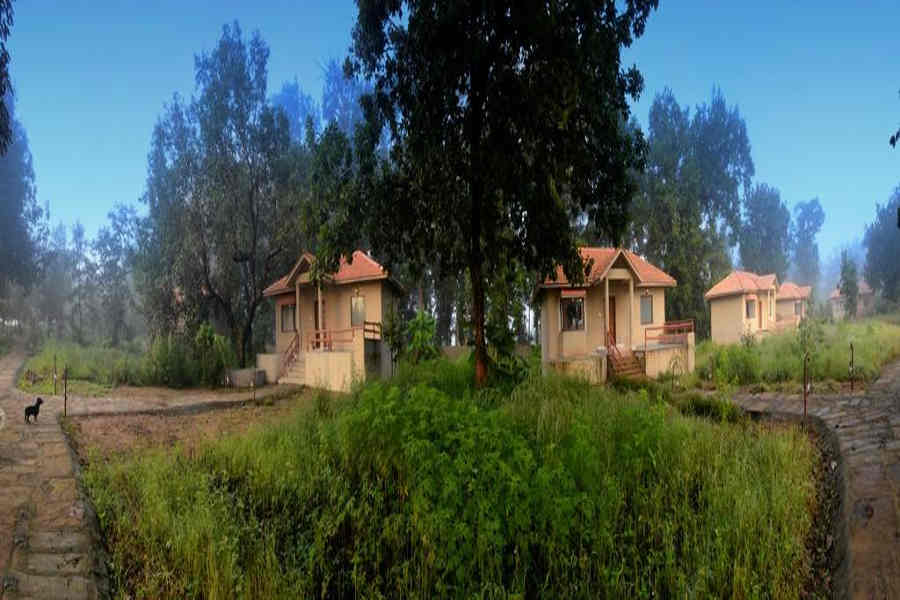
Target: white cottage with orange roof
(330, 335)
(743, 303)
(615, 319)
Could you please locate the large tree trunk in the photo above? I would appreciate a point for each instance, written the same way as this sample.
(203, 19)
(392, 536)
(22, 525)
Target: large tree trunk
(477, 278)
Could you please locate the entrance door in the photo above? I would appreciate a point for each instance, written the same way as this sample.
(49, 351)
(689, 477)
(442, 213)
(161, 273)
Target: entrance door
(612, 319)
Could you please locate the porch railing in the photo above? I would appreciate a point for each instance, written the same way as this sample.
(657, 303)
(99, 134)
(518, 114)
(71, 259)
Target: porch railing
(611, 349)
(674, 332)
(290, 355)
(325, 339)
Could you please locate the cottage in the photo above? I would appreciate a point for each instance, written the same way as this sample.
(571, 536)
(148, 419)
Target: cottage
(615, 320)
(791, 305)
(865, 302)
(329, 335)
(743, 303)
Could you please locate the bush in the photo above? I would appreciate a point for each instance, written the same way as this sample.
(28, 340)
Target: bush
(562, 490)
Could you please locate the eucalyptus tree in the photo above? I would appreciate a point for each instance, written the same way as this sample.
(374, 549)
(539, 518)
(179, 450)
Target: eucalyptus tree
(808, 220)
(765, 240)
(506, 119)
(216, 192)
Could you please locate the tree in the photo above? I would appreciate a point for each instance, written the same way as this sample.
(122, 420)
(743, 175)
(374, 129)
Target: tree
(882, 243)
(83, 272)
(299, 108)
(507, 119)
(7, 127)
(56, 284)
(686, 214)
(217, 196)
(849, 284)
(341, 96)
(808, 220)
(114, 249)
(22, 221)
(765, 241)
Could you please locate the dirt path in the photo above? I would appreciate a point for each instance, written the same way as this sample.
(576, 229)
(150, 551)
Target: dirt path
(45, 539)
(868, 430)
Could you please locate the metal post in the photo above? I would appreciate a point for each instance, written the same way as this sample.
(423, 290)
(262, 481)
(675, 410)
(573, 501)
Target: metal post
(805, 383)
(851, 367)
(66, 391)
(54, 374)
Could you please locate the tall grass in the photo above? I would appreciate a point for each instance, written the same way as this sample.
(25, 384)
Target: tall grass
(779, 358)
(171, 361)
(415, 489)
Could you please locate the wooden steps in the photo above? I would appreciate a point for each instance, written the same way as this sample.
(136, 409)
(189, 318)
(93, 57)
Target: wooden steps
(626, 365)
(296, 373)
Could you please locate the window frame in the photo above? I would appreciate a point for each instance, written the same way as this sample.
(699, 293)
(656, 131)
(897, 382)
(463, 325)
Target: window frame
(649, 298)
(562, 313)
(798, 308)
(353, 299)
(293, 321)
(748, 302)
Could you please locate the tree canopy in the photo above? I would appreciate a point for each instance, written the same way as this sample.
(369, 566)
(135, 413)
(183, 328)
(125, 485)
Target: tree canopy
(508, 118)
(765, 240)
(686, 215)
(882, 242)
(808, 220)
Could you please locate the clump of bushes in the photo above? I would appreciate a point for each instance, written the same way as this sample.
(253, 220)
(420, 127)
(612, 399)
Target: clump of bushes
(416, 489)
(174, 361)
(779, 358)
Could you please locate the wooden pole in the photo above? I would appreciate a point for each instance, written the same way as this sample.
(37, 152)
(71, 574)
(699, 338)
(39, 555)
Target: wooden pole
(54, 374)
(851, 367)
(66, 391)
(805, 383)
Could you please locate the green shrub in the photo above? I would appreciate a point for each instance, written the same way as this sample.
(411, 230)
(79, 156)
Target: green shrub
(422, 334)
(415, 490)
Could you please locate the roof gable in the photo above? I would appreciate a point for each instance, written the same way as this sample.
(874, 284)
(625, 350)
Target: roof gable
(601, 260)
(362, 268)
(741, 282)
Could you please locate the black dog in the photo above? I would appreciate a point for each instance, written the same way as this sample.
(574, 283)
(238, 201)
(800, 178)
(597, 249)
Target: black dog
(32, 411)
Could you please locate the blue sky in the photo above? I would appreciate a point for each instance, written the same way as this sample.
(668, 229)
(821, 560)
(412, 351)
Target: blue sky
(817, 85)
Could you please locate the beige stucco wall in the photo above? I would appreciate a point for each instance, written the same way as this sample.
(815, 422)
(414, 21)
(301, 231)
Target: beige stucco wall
(270, 363)
(334, 371)
(659, 313)
(727, 319)
(591, 368)
(663, 359)
(282, 339)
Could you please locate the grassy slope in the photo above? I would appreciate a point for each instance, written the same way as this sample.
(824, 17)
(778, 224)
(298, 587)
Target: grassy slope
(93, 370)
(425, 489)
(778, 358)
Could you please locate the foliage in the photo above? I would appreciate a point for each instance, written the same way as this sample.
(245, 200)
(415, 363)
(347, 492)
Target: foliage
(687, 212)
(414, 490)
(217, 230)
(172, 361)
(765, 241)
(114, 248)
(778, 358)
(808, 220)
(421, 333)
(882, 270)
(849, 285)
(500, 117)
(22, 220)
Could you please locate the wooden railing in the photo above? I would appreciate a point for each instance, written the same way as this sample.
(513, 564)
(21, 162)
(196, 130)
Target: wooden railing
(611, 349)
(674, 332)
(290, 355)
(325, 339)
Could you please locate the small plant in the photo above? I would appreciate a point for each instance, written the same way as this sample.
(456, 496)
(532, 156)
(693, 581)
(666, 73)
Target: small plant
(422, 333)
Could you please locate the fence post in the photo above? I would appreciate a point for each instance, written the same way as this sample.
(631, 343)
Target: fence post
(805, 383)
(54, 374)
(851, 367)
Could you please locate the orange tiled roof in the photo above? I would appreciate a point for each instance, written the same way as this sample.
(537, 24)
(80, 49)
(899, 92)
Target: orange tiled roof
(741, 282)
(791, 291)
(647, 274)
(363, 268)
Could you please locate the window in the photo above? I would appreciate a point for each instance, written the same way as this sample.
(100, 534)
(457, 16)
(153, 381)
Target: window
(572, 317)
(646, 310)
(287, 318)
(357, 311)
(751, 309)
(797, 308)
